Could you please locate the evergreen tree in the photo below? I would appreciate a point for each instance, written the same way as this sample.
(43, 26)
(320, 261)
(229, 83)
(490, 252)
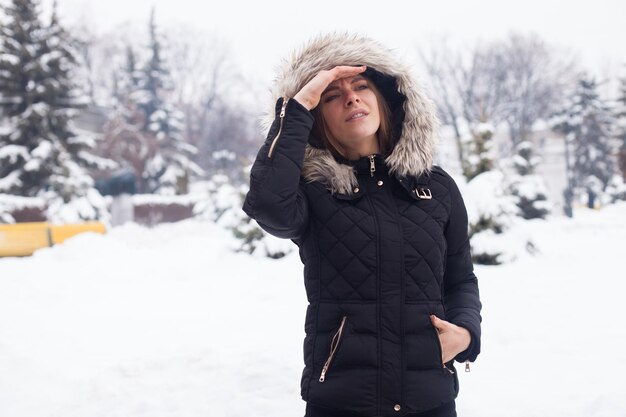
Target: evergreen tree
(126, 81)
(620, 115)
(478, 151)
(586, 122)
(616, 189)
(528, 189)
(124, 138)
(222, 206)
(41, 152)
(491, 212)
(478, 164)
(169, 164)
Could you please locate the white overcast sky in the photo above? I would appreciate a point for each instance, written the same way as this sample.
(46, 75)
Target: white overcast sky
(260, 32)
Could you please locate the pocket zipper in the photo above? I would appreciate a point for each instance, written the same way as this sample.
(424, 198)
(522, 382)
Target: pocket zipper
(333, 347)
(280, 129)
(441, 350)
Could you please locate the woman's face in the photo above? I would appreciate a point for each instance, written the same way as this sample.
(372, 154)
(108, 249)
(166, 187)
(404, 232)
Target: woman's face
(350, 110)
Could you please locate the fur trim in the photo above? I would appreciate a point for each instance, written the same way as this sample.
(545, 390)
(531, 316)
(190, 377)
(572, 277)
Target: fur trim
(413, 152)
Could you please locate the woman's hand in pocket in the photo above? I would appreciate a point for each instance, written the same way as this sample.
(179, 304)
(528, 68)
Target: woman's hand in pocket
(454, 339)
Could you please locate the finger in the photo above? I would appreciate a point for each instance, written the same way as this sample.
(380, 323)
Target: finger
(357, 68)
(444, 350)
(349, 70)
(447, 355)
(343, 71)
(437, 322)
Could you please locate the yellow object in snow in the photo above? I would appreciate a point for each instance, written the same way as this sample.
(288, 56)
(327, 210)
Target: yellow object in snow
(22, 239)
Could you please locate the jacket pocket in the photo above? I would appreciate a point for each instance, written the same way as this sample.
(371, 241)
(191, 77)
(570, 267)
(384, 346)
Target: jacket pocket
(334, 344)
(440, 349)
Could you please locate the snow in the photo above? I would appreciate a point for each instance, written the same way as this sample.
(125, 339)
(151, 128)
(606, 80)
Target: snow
(32, 165)
(43, 150)
(77, 210)
(484, 195)
(184, 199)
(16, 202)
(70, 179)
(9, 59)
(169, 321)
(5, 128)
(50, 56)
(187, 147)
(96, 161)
(76, 201)
(530, 186)
(10, 203)
(84, 140)
(12, 179)
(13, 152)
(519, 160)
(485, 128)
(223, 154)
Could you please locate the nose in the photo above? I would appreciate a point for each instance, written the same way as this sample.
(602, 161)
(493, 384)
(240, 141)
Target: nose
(352, 98)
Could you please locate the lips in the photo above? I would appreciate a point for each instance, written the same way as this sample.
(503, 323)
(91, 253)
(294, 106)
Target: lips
(356, 115)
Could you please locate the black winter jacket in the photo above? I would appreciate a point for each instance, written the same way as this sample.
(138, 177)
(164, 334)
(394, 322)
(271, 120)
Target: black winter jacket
(383, 239)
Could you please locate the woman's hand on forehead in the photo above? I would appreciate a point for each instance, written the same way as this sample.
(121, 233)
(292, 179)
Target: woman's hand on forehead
(309, 96)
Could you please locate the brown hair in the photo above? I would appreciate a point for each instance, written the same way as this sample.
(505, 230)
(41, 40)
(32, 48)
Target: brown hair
(383, 135)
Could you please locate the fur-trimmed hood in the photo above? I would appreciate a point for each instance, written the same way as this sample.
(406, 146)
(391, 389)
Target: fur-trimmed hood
(413, 113)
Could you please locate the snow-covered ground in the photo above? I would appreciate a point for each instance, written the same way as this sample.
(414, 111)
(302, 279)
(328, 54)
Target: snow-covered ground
(169, 322)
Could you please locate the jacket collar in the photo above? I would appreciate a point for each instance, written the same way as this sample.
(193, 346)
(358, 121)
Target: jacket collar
(363, 165)
(413, 113)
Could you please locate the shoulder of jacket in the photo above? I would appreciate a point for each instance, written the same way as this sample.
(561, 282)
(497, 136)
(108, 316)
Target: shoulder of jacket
(442, 176)
(437, 169)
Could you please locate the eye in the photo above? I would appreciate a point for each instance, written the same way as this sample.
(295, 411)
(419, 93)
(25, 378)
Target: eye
(362, 86)
(330, 98)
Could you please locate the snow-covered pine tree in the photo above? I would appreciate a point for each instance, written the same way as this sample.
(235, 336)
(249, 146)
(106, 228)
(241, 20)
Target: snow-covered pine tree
(222, 206)
(620, 114)
(478, 151)
(616, 188)
(528, 188)
(126, 82)
(41, 152)
(492, 213)
(169, 165)
(479, 164)
(586, 121)
(124, 138)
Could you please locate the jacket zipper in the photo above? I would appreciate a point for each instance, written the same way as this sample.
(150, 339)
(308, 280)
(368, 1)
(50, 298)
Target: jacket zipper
(378, 308)
(467, 368)
(372, 166)
(280, 129)
(443, 365)
(333, 348)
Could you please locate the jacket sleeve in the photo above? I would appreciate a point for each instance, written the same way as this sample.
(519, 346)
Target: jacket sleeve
(461, 295)
(275, 198)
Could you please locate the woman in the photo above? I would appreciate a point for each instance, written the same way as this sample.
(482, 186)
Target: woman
(346, 173)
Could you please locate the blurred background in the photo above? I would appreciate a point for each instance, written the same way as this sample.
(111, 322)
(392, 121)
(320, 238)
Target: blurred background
(131, 283)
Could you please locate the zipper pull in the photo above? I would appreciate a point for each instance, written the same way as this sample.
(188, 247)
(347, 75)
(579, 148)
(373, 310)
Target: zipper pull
(372, 166)
(282, 109)
(467, 368)
(280, 129)
(323, 375)
(333, 346)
